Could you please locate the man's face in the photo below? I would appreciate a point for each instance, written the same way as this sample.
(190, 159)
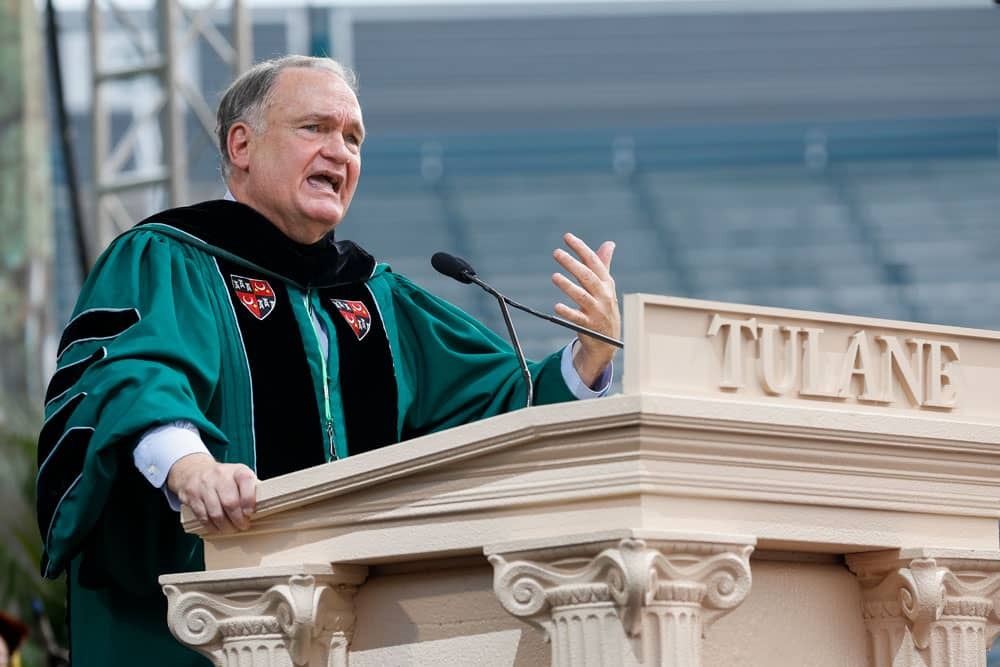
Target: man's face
(302, 168)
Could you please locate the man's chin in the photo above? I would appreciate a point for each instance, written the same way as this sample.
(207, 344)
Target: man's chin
(325, 216)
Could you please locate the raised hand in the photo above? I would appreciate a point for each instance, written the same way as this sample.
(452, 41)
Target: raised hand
(596, 300)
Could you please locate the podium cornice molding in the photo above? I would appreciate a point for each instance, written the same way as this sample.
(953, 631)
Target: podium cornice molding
(638, 461)
(653, 427)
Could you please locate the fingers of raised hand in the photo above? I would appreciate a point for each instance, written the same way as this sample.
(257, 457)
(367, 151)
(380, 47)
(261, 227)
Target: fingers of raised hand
(573, 315)
(582, 297)
(596, 293)
(600, 315)
(583, 273)
(606, 252)
(591, 269)
(599, 262)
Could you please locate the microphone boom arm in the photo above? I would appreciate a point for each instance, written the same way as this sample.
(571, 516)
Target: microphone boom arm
(551, 318)
(517, 346)
(502, 300)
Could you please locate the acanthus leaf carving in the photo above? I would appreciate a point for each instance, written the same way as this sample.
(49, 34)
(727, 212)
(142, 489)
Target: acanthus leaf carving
(631, 575)
(638, 587)
(300, 612)
(529, 590)
(921, 597)
(942, 605)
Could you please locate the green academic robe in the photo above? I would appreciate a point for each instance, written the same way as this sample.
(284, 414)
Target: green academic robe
(206, 314)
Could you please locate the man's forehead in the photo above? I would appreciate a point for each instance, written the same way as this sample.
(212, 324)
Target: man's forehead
(297, 78)
(303, 81)
(309, 75)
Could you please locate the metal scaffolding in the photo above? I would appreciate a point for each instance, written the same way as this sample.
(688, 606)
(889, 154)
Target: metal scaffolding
(145, 166)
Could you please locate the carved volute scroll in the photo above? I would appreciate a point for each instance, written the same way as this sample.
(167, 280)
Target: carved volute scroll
(299, 619)
(634, 601)
(931, 610)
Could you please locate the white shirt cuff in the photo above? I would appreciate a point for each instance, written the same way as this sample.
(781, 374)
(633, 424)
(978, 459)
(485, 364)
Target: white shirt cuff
(576, 385)
(161, 447)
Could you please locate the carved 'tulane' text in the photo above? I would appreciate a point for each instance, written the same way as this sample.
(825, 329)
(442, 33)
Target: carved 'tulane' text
(790, 359)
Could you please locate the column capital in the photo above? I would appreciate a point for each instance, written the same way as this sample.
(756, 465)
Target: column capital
(301, 615)
(621, 587)
(935, 603)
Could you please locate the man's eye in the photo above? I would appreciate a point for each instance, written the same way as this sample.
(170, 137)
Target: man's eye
(354, 139)
(312, 127)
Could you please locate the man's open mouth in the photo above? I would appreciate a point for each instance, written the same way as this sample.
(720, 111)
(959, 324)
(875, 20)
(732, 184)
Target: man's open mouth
(326, 181)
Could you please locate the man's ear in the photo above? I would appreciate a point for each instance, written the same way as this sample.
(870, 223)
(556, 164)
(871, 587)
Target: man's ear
(238, 145)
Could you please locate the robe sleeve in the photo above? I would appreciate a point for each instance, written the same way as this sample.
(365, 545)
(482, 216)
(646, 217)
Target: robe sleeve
(455, 370)
(142, 349)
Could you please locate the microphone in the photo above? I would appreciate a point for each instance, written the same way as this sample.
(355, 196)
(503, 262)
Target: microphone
(453, 267)
(462, 271)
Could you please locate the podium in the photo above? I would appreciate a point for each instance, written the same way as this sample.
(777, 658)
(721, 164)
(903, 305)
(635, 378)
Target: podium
(772, 488)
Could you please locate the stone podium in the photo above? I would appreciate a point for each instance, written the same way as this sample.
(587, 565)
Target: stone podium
(772, 488)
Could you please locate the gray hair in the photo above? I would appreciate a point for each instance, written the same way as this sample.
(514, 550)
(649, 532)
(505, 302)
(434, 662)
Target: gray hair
(247, 97)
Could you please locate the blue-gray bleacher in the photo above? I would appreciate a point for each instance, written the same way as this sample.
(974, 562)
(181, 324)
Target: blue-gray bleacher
(888, 227)
(841, 160)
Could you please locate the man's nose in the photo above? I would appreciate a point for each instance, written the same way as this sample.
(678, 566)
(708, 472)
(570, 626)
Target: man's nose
(335, 147)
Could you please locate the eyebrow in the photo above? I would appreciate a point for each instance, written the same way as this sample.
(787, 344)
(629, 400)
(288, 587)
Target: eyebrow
(355, 124)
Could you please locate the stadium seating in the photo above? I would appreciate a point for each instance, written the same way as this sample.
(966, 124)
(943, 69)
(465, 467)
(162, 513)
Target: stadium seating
(894, 238)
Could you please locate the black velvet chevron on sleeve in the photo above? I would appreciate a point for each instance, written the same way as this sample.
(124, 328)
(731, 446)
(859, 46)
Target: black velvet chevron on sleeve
(97, 324)
(70, 374)
(61, 453)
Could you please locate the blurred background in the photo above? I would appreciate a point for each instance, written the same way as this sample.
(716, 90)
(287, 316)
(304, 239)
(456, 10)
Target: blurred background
(833, 156)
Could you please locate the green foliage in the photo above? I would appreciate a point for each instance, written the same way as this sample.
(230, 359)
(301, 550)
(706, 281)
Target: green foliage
(21, 547)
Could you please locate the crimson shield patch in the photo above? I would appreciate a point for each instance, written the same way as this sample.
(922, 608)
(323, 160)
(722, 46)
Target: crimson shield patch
(255, 295)
(356, 314)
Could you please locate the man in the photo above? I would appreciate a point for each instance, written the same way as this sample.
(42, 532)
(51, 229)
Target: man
(235, 340)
